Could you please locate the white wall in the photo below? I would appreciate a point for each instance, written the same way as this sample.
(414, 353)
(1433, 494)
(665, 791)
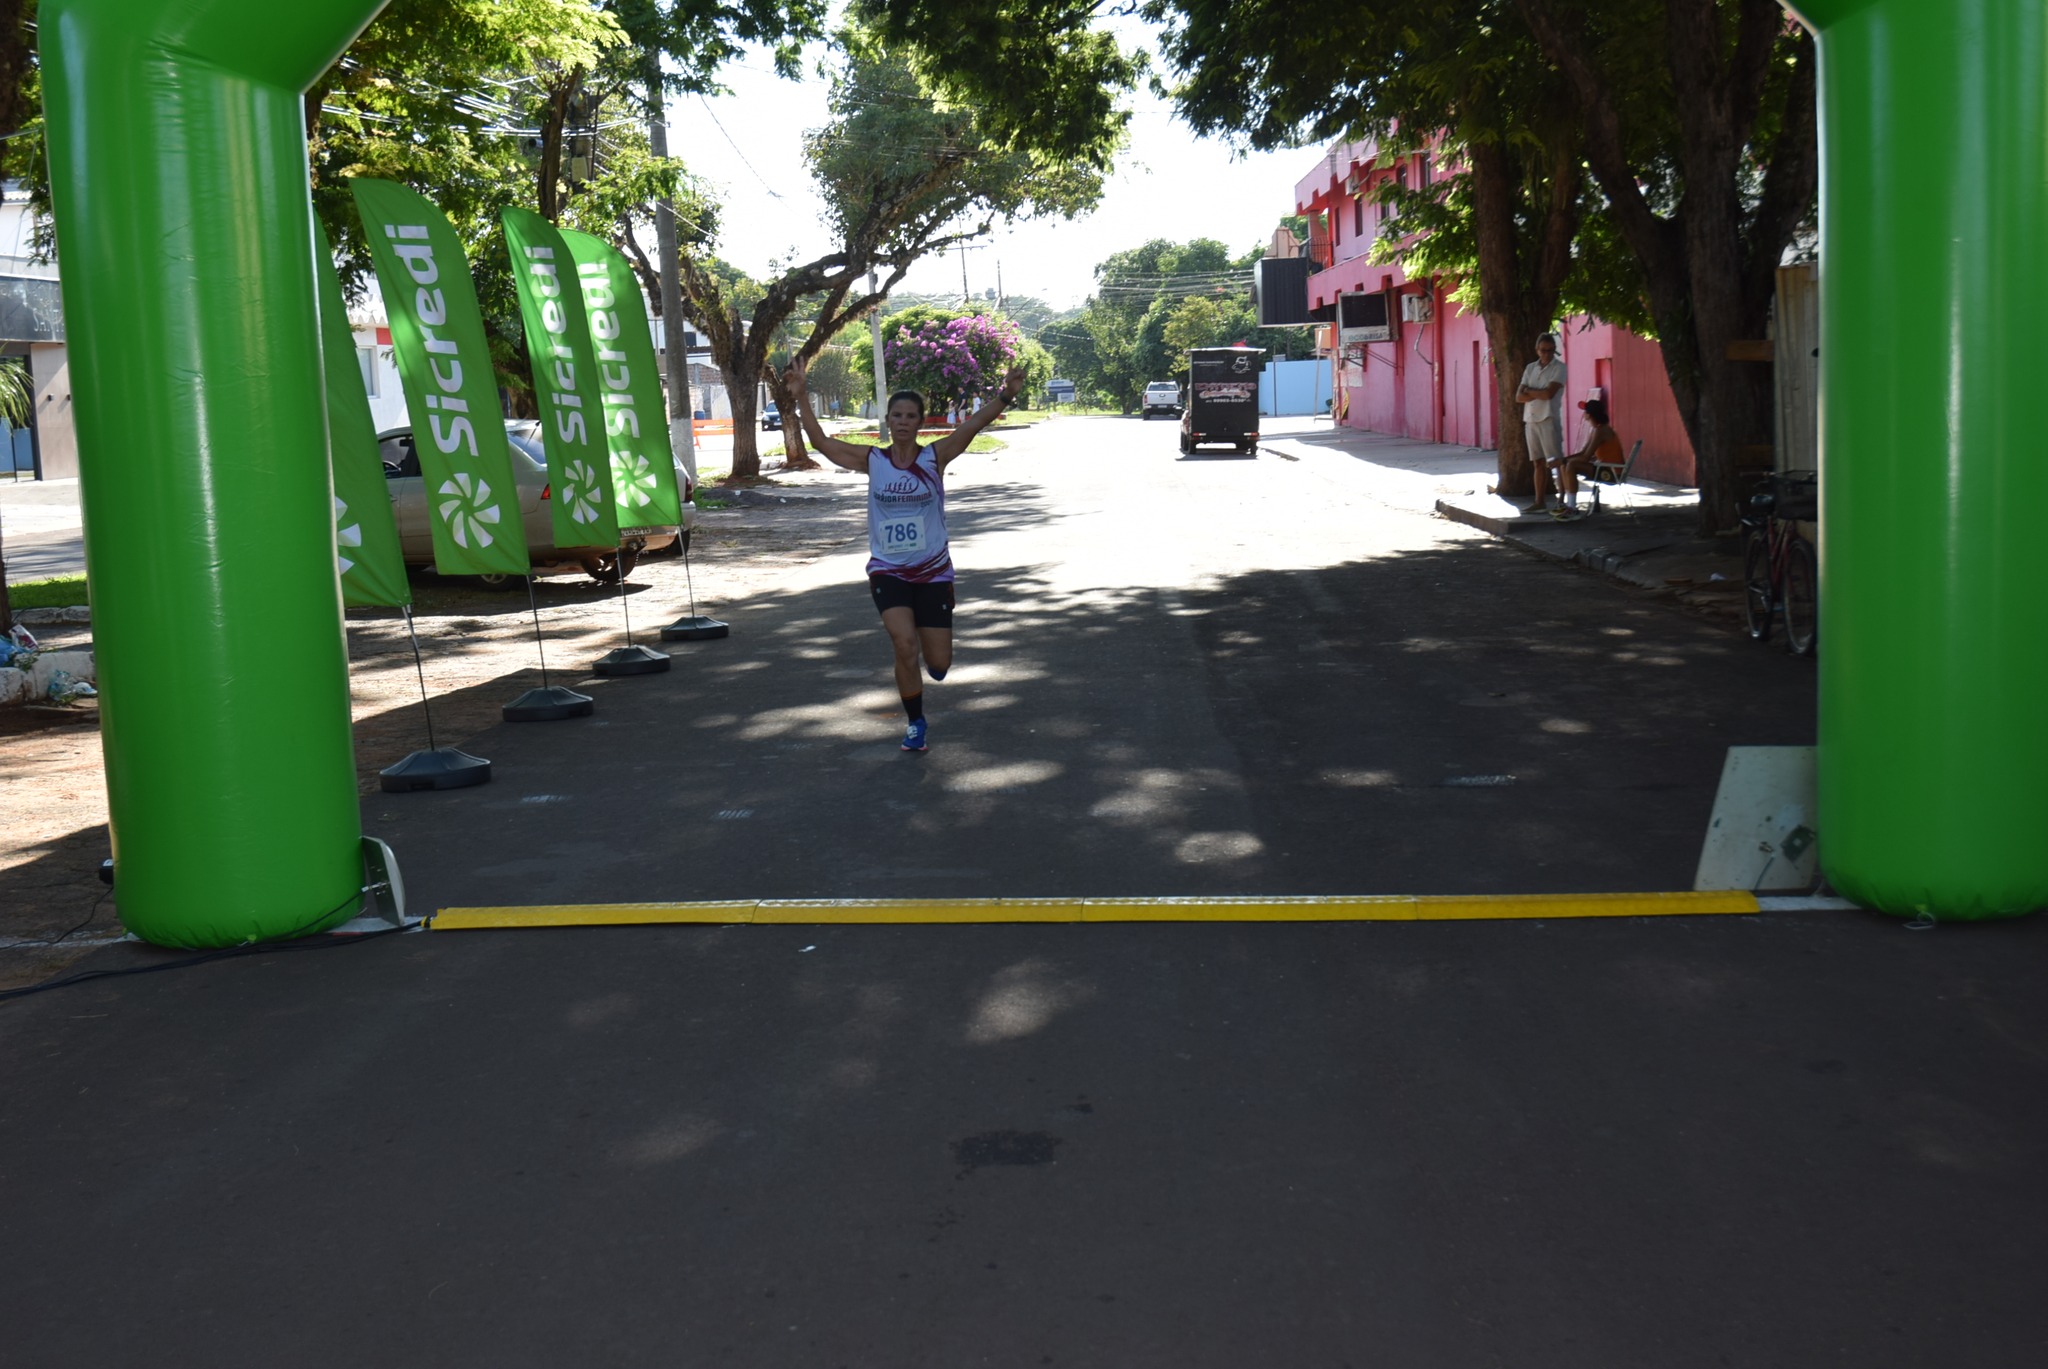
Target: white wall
(1295, 387)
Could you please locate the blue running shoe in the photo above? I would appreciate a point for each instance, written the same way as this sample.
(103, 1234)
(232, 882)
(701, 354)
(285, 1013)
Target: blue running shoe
(913, 736)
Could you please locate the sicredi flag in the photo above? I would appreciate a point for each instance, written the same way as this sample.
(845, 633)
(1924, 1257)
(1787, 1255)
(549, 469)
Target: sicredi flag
(437, 334)
(365, 534)
(564, 382)
(629, 384)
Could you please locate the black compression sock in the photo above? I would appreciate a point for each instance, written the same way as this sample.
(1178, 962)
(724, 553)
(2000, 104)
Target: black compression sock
(913, 705)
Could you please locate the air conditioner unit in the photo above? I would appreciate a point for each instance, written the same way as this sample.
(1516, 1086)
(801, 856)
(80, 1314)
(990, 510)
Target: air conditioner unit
(1354, 183)
(1415, 308)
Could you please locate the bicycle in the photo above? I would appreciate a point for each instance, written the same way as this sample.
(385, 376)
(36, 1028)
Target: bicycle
(1780, 575)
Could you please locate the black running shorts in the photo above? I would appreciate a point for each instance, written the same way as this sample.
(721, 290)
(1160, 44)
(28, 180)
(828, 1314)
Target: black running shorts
(930, 605)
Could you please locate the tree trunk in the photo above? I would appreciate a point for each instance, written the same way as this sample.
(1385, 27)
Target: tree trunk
(548, 175)
(1709, 264)
(746, 453)
(795, 455)
(1520, 280)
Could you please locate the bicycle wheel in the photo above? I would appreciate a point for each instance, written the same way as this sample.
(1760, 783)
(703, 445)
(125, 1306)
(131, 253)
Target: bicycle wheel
(1756, 582)
(1802, 600)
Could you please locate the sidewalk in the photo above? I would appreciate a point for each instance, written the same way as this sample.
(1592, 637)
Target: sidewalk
(1644, 534)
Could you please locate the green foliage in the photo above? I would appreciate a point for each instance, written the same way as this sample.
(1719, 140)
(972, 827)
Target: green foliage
(898, 146)
(908, 171)
(1042, 78)
(832, 377)
(1148, 300)
(17, 392)
(1037, 364)
(62, 591)
(1205, 322)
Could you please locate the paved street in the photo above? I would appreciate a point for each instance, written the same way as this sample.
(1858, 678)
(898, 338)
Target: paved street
(1786, 1140)
(40, 523)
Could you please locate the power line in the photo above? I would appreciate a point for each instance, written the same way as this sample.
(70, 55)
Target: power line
(772, 191)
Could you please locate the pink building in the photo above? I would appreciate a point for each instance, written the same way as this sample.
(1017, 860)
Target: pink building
(1432, 378)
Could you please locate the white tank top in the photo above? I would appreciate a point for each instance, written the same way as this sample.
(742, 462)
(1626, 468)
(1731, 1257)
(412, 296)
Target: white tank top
(907, 519)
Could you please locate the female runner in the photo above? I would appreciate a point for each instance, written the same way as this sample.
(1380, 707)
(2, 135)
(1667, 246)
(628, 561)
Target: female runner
(910, 563)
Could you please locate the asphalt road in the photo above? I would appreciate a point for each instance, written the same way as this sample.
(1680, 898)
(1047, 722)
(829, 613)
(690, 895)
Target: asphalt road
(1787, 1140)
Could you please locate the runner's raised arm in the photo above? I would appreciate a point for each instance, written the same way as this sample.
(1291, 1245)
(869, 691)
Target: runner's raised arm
(837, 450)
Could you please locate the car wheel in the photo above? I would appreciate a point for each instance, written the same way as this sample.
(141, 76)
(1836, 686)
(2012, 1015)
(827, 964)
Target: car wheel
(502, 582)
(611, 567)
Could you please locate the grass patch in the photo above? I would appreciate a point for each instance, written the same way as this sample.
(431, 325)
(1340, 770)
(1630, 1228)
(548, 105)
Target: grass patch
(60, 591)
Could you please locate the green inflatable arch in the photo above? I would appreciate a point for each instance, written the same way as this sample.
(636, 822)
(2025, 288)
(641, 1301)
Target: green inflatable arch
(1934, 214)
(178, 166)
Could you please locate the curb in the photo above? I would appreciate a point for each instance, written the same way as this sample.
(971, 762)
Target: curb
(76, 613)
(759, 498)
(1613, 564)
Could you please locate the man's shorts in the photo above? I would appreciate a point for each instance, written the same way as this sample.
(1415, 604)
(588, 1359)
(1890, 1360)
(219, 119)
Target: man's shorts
(930, 605)
(1546, 443)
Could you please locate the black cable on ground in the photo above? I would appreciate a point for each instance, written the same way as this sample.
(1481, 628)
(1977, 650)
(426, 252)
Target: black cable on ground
(323, 942)
(62, 937)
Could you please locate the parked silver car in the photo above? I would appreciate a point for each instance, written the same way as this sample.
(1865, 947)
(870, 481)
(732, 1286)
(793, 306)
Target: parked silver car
(607, 565)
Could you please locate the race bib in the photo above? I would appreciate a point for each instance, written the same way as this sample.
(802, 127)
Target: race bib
(901, 536)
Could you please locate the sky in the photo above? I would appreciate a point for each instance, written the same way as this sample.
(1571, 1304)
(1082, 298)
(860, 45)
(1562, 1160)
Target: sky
(747, 145)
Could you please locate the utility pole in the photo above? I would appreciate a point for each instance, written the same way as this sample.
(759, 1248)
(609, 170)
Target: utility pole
(966, 300)
(881, 373)
(1002, 300)
(675, 346)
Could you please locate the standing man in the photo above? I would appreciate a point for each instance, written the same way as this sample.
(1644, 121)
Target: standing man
(1540, 395)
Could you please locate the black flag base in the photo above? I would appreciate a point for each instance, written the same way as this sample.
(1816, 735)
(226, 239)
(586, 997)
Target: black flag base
(548, 705)
(694, 630)
(443, 768)
(633, 660)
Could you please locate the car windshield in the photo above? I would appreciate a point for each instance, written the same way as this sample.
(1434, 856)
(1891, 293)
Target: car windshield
(528, 448)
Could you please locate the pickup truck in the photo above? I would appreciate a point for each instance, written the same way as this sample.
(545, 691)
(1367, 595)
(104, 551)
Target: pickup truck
(1162, 397)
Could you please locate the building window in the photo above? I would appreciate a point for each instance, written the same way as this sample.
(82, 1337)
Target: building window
(1358, 217)
(1422, 171)
(366, 357)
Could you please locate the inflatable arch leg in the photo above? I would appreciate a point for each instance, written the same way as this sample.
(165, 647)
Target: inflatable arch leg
(1933, 763)
(178, 168)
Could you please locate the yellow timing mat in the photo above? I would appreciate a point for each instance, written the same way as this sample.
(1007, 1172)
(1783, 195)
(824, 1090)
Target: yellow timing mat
(848, 911)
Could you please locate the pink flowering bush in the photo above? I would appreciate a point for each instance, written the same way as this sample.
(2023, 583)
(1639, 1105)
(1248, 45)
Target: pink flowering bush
(953, 363)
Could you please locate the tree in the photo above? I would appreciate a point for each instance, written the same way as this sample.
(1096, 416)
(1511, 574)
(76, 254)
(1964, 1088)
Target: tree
(1702, 130)
(1043, 79)
(953, 363)
(905, 173)
(1463, 74)
(1201, 321)
(831, 375)
(481, 103)
(1118, 342)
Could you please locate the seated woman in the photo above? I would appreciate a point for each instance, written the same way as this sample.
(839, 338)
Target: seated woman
(1602, 444)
